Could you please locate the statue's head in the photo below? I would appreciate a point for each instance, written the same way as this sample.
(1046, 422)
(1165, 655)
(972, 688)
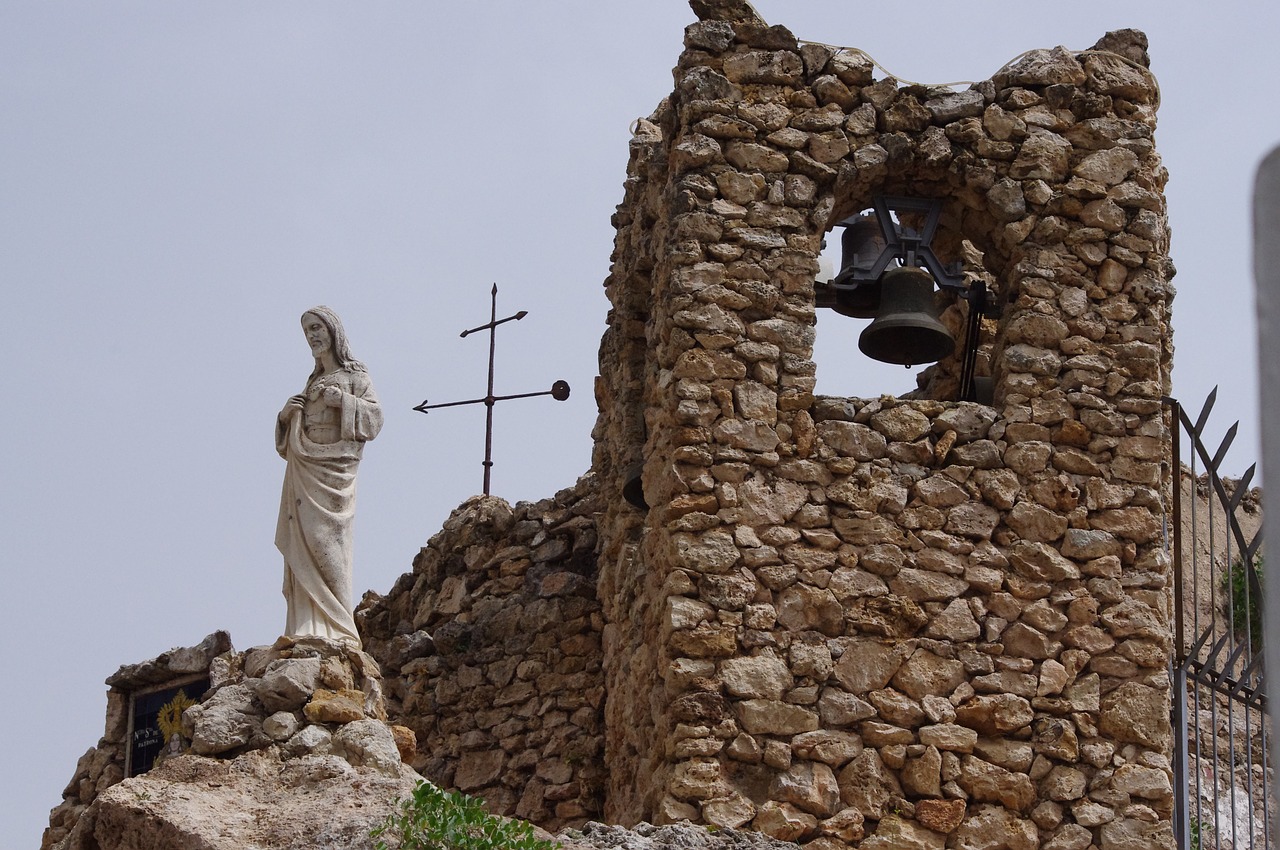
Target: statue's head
(337, 337)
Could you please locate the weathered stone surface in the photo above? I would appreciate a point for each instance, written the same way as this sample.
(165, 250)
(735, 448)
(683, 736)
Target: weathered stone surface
(832, 747)
(995, 828)
(328, 706)
(988, 783)
(288, 683)
(756, 677)
(811, 786)
(897, 833)
(867, 665)
(785, 822)
(227, 721)
(1136, 713)
(771, 717)
(867, 785)
(369, 743)
(1042, 562)
(254, 800)
(925, 674)
(995, 714)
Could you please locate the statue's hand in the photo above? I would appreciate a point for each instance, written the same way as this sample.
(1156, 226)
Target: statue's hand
(294, 404)
(333, 396)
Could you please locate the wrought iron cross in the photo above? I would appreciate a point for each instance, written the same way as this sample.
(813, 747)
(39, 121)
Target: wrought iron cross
(559, 390)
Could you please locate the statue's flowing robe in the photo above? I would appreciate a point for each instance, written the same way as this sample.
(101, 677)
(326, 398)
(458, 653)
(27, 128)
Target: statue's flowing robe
(317, 504)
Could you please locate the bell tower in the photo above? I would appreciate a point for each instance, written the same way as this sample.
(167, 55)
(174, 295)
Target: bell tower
(917, 619)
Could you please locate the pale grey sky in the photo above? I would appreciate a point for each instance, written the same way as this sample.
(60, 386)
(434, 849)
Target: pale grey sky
(179, 182)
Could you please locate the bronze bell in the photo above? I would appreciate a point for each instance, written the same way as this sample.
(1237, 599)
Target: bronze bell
(906, 329)
(860, 247)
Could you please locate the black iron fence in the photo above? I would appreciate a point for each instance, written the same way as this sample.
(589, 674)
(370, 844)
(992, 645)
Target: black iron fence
(1220, 713)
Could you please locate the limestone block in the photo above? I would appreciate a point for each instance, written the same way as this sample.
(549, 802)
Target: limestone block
(703, 83)
(829, 746)
(781, 67)
(729, 812)
(762, 503)
(1137, 713)
(839, 708)
(925, 673)
(867, 665)
(698, 780)
(951, 737)
(810, 786)
(940, 815)
(309, 740)
(343, 706)
(287, 683)
(1043, 156)
(281, 726)
(1064, 784)
(922, 775)
(1036, 523)
(1043, 68)
(229, 719)
(973, 520)
(1041, 562)
(1071, 836)
(927, 586)
(901, 424)
(988, 783)
(1133, 834)
(995, 714)
(773, 717)
(710, 552)
(897, 833)
(994, 828)
(1132, 618)
(1146, 782)
(752, 677)
(955, 623)
(369, 743)
(867, 785)
(852, 439)
(803, 607)
(1022, 641)
(784, 822)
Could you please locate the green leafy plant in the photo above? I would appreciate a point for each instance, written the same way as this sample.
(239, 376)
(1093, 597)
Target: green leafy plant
(432, 819)
(1246, 602)
(1199, 827)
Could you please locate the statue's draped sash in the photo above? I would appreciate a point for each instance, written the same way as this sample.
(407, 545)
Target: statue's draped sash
(317, 505)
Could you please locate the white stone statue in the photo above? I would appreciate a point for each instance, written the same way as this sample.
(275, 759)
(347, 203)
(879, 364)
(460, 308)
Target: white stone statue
(321, 433)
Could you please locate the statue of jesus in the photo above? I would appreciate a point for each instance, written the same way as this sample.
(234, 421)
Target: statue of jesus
(321, 434)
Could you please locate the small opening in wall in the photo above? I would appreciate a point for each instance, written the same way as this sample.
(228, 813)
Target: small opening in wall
(842, 368)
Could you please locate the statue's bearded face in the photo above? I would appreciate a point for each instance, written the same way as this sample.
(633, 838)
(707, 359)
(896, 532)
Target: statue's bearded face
(317, 333)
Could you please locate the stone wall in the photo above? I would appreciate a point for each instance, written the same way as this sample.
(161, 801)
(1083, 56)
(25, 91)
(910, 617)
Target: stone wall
(491, 650)
(889, 621)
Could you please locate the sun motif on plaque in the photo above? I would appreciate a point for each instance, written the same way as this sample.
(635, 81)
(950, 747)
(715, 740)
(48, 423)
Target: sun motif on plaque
(170, 717)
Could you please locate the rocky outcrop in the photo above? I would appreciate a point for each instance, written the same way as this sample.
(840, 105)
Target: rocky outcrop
(103, 766)
(288, 748)
(261, 799)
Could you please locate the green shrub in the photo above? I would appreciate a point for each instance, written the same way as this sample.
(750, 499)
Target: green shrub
(445, 820)
(1246, 605)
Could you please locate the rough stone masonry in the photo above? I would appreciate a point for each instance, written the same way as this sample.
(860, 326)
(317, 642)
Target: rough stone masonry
(907, 622)
(892, 622)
